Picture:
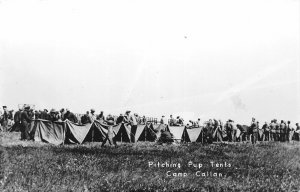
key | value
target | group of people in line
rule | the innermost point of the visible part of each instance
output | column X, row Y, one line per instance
column 212, row 129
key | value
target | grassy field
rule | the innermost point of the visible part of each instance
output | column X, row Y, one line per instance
column 29, row 166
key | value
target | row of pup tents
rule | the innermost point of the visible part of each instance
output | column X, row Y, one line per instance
column 68, row 132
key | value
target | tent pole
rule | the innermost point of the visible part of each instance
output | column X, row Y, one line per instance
column 92, row 135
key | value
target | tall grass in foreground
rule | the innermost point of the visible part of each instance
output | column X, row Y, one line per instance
column 264, row 167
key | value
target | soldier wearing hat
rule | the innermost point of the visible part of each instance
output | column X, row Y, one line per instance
column 126, row 117
column 254, row 130
column 45, row 115
column 25, row 119
column 85, row 118
column 70, row 116
column 110, row 120
column 17, row 118
column 101, row 116
column 172, row 121
column 92, row 116
column 134, row 123
column 53, row 115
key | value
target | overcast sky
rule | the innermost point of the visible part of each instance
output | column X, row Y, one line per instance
column 208, row 59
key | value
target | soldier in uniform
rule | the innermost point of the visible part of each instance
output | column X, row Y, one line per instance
column 290, row 131
column 53, row 115
column 272, row 127
column 92, row 116
column 281, row 131
column 110, row 137
column 17, row 118
column 126, row 117
column 172, row 121
column 166, row 137
column 277, row 130
column 26, row 120
column 70, row 116
column 101, row 116
column 62, row 114
column 254, row 129
column 266, row 130
column 45, row 115
column 120, row 119
column 134, row 124
column 85, row 118
column 296, row 134
column 5, row 118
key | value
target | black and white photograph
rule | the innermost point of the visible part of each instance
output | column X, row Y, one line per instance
column 138, row 95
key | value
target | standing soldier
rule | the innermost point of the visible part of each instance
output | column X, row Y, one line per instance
column 126, row 117
column 25, row 119
column 266, row 131
column 5, row 118
column 17, row 119
column 290, row 131
column 272, row 130
column 110, row 137
column 92, row 116
column 277, row 130
column 133, row 123
column 254, row 128
column 101, row 116
column 297, row 131
column 282, row 131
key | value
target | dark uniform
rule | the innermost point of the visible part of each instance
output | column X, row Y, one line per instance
column 44, row 115
column 17, row 119
column 25, row 119
column 71, row 117
column 266, row 130
column 85, row 118
column 4, row 120
column 282, row 129
column 254, row 129
column 166, row 137
column 120, row 119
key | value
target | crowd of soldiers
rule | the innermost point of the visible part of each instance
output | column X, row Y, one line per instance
column 212, row 129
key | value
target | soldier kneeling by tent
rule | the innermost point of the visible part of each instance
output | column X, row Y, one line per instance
column 165, row 137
